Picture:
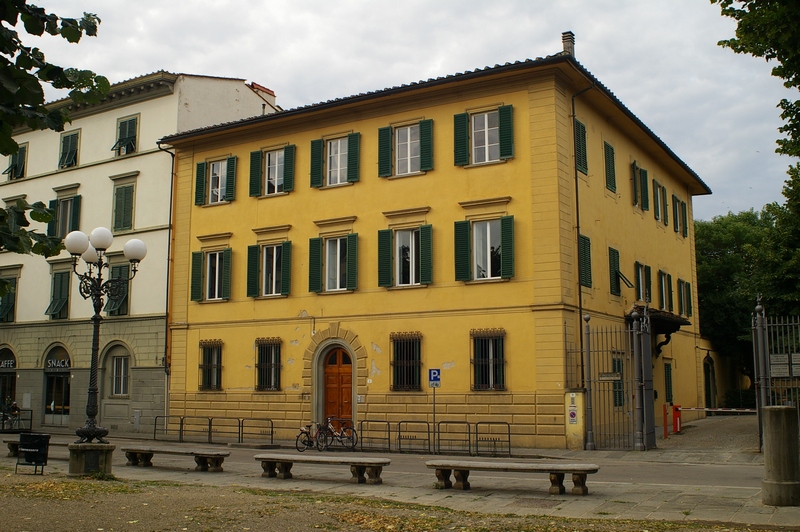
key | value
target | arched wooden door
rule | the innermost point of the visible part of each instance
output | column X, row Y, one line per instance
column 338, row 384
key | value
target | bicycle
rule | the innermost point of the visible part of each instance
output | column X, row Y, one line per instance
column 346, row 437
column 307, row 440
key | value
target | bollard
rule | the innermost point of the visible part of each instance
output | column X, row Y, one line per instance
column 676, row 419
column 781, row 484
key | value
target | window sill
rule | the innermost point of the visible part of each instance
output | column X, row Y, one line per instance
column 273, row 195
column 215, row 204
column 407, row 287
column 212, row 301
column 410, row 174
column 334, row 292
column 268, row 390
column 487, row 281
column 272, row 296
column 118, row 397
column 337, row 185
column 487, row 163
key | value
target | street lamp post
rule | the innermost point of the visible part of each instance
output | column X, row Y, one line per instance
column 92, row 249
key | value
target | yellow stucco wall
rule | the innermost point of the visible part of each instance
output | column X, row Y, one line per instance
column 538, row 308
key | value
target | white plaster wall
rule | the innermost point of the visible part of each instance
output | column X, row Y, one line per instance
column 204, row 101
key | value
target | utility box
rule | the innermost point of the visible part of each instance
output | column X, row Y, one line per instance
column 33, row 450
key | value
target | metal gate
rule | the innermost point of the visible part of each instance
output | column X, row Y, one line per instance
column 619, row 383
column 776, row 352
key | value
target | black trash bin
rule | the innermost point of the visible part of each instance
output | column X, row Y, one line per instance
column 33, row 450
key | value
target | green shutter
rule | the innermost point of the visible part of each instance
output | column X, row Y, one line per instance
column 226, row 273
column 669, row 292
column 426, row 254
column 317, row 162
column 288, row 167
column 581, row 160
column 668, row 383
column 352, row 261
column 253, row 263
column 75, row 215
column 665, row 206
column 613, row 270
column 353, row 156
column 7, row 301
column 675, row 219
column 426, row 145
column 661, row 303
column 684, row 219
column 639, row 287
column 645, row 193
column 462, row 251
column 657, row 208
column 635, row 173
column 688, row 299
column 585, row 260
column 385, row 152
column 256, row 173
column 230, row 179
column 118, row 307
column 648, row 284
column 197, row 276
column 315, row 264
column 385, row 258
column 286, row 266
column 505, row 115
column 52, row 225
column 611, row 169
column 461, row 139
column 123, row 208
column 681, row 308
column 507, row 247
column 200, row 184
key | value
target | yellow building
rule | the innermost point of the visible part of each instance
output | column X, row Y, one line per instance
column 325, row 258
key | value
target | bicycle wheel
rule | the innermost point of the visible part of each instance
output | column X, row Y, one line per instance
column 303, row 442
column 349, row 438
column 324, row 439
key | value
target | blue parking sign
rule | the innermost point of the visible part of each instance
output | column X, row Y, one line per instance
column 434, row 378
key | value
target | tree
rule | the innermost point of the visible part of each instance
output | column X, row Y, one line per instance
column 23, row 70
column 771, row 29
column 730, row 262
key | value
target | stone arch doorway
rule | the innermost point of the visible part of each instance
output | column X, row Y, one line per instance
column 57, row 386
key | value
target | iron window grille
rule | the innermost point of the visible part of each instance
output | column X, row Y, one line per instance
column 406, row 361
column 488, row 360
column 211, row 368
column 268, row 367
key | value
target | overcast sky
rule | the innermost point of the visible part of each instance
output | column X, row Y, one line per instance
column 715, row 109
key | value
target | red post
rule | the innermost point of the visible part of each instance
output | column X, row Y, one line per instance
column 676, row 419
column 666, row 429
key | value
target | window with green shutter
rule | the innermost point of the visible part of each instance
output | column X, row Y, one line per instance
column 585, row 260
column 664, row 206
column 483, row 137
column 67, row 216
column 614, row 273
column 58, row 309
column 644, row 187
column 670, row 305
column 656, row 200
column 69, row 150
column 123, row 207
column 118, row 306
column 684, row 219
column 461, row 139
column 211, row 275
column 126, row 136
column 16, row 163
column 675, row 208
column 668, row 397
column 269, row 269
column 611, row 169
column 641, row 193
column 406, row 149
column 405, row 256
column 581, row 157
column 484, row 249
column 315, row 246
column 462, row 247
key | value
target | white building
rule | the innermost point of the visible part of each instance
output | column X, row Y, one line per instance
column 104, row 169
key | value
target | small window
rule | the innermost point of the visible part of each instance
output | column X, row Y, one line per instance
column 485, row 249
column 119, row 377
column 211, row 275
column 16, row 163
column 641, row 194
column 488, row 362
column 665, row 301
column 406, row 362
column 211, row 367
column 126, row 136
column 484, row 137
column 585, row 260
column 642, row 281
column 335, row 161
column 67, row 216
column 118, row 305
column 333, row 264
column 684, row 298
column 215, row 182
column 58, row 309
column 405, row 256
column 611, row 169
column 123, row 207
column 69, row 150
column 272, row 172
column 7, row 302
column 268, row 366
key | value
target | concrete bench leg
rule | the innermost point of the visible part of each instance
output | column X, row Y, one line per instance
column 269, row 469
column 140, row 459
column 202, row 463
column 579, row 484
column 358, row 474
column 557, row 483
column 13, row 450
column 284, row 470
column 443, row 479
column 215, row 464
column 461, row 476
column 133, row 459
column 374, row 475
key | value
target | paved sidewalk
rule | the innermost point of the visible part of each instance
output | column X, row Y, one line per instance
column 679, row 481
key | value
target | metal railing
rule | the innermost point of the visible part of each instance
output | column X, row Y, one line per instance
column 492, row 438
column 413, row 436
column 456, row 442
column 212, row 429
column 374, row 435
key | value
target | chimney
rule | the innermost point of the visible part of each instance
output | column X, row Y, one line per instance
column 568, row 41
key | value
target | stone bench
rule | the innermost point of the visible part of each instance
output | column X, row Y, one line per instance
column 556, row 470
column 280, row 465
column 206, row 460
column 13, row 446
